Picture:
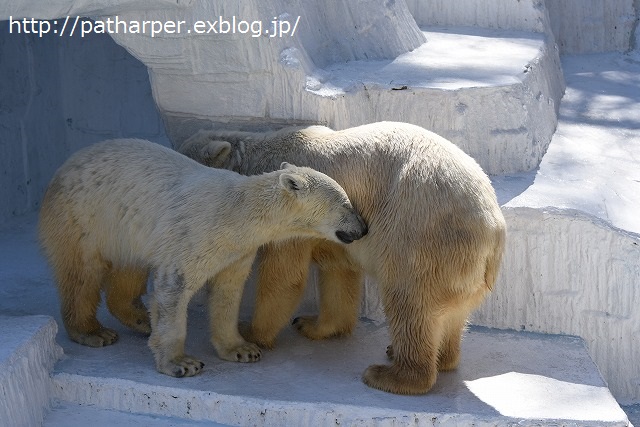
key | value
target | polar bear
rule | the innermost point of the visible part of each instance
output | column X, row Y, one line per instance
column 120, row 209
column 436, row 237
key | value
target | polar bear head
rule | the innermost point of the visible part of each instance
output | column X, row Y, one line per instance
column 216, row 149
column 321, row 204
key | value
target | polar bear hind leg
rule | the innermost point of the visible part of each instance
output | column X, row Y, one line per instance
column 79, row 290
column 124, row 288
column 339, row 287
column 417, row 328
column 282, row 277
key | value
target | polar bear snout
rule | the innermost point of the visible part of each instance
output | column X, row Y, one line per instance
column 345, row 237
column 356, row 229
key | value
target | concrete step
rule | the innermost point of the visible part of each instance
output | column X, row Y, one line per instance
column 71, row 414
column 494, row 93
column 504, row 378
column 633, row 412
column 27, row 355
column 300, row 382
column 571, row 259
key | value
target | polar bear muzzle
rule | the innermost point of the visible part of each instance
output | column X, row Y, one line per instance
column 355, row 229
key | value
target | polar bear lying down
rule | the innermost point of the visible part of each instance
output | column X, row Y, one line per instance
column 436, row 237
column 118, row 210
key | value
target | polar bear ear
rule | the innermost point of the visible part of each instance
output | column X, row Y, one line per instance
column 285, row 165
column 215, row 153
column 206, row 151
column 294, row 183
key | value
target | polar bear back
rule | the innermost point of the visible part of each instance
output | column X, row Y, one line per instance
column 376, row 164
column 418, row 192
column 144, row 185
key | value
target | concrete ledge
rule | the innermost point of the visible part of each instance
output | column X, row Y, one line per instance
column 63, row 8
column 27, row 355
column 71, row 414
column 588, row 26
column 573, row 245
column 504, row 378
column 528, row 15
column 494, row 93
column 571, row 273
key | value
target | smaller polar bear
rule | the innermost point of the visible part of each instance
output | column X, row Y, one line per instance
column 120, row 209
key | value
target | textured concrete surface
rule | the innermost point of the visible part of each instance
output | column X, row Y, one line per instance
column 493, row 93
column 59, row 94
column 62, row 8
column 578, row 26
column 27, row 356
column 571, row 263
column 70, row 414
column 592, row 26
column 306, row 382
column 526, row 15
column 633, row 413
column 504, row 377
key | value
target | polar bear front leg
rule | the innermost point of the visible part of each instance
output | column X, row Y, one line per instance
column 340, row 289
column 282, row 277
column 169, row 326
column 225, row 295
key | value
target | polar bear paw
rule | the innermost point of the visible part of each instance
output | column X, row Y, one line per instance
column 138, row 320
column 310, row 327
column 183, row 366
column 399, row 380
column 262, row 340
column 100, row 338
column 244, row 353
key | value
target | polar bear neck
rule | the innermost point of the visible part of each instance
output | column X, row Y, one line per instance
column 263, row 207
column 363, row 180
column 257, row 154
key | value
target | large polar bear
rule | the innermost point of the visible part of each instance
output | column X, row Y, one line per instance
column 436, row 237
column 119, row 209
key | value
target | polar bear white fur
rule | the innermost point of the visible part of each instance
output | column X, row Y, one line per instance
column 120, row 209
column 434, row 247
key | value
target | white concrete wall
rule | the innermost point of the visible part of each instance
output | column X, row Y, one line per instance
column 528, row 15
column 569, row 273
column 29, row 111
column 199, row 79
column 587, row 26
column 59, row 94
column 579, row 26
column 27, row 355
column 238, row 81
column 261, row 80
column 52, row 9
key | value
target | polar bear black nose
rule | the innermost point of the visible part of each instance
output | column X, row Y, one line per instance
column 350, row 236
column 344, row 237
